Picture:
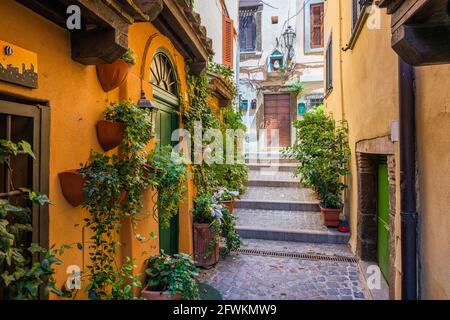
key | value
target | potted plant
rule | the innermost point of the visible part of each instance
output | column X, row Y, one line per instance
column 323, row 152
column 168, row 174
column 213, row 222
column 72, row 183
column 123, row 122
column 226, row 197
column 170, row 278
column 113, row 75
column 207, row 220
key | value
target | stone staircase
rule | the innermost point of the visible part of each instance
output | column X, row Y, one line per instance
column 277, row 207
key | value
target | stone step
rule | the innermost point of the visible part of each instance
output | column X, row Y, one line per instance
column 263, row 178
column 278, row 205
column 296, row 236
column 276, row 167
column 281, row 194
column 271, row 175
column 297, row 226
column 273, row 183
column 269, row 160
column 278, row 198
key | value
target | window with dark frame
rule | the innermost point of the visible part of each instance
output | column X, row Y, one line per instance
column 329, row 65
column 29, row 123
column 247, row 30
column 316, row 20
column 357, row 9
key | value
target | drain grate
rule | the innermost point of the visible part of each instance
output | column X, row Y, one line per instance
column 295, row 255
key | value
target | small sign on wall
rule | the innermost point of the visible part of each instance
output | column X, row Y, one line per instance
column 18, row 65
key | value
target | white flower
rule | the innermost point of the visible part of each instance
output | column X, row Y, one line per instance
column 234, row 193
column 216, row 212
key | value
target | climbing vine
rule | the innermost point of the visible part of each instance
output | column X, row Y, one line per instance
column 168, row 174
column 114, row 187
column 196, row 111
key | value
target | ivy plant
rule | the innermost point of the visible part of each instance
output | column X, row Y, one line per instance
column 168, row 174
column 129, row 57
column 114, row 186
column 21, row 276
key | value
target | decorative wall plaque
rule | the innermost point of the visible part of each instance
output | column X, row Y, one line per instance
column 18, row 65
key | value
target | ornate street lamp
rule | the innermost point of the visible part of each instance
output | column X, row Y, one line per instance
column 144, row 103
column 289, row 36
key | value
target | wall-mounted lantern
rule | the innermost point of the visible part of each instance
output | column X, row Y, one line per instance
column 289, row 36
column 254, row 104
column 144, row 103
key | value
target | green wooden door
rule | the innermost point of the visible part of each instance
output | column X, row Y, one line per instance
column 383, row 220
column 167, row 122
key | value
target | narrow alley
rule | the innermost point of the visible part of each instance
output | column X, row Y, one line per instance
column 287, row 253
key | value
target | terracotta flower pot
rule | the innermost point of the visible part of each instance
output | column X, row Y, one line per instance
column 72, row 187
column 147, row 294
column 202, row 238
column 110, row 134
column 113, row 75
column 330, row 217
column 229, row 204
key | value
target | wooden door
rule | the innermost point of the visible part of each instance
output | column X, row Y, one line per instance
column 277, row 116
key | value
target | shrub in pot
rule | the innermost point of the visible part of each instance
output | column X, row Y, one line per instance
column 323, row 152
column 226, row 198
column 113, row 75
column 207, row 220
column 213, row 222
column 170, row 278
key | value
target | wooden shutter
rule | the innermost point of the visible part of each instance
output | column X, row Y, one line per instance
column 316, row 19
column 227, row 41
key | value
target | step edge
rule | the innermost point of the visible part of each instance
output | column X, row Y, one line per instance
column 304, row 231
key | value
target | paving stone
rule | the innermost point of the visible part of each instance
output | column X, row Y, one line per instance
column 268, row 278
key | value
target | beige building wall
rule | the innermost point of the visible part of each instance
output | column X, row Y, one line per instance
column 365, row 93
column 433, row 156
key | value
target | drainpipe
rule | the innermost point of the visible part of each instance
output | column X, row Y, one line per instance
column 408, row 180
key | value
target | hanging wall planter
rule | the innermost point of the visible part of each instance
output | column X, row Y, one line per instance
column 113, row 75
column 72, row 187
column 110, row 134
column 203, row 237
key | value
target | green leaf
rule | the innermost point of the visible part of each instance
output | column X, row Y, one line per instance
column 26, row 147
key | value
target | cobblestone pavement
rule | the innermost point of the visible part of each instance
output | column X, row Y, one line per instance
column 279, row 219
column 248, row 277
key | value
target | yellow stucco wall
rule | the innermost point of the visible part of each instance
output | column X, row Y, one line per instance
column 365, row 93
column 77, row 101
column 433, row 141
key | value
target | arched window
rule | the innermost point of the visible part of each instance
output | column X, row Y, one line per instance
column 163, row 74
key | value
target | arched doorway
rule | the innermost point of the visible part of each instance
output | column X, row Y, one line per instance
column 164, row 81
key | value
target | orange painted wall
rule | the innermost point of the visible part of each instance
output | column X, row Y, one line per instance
column 77, row 101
